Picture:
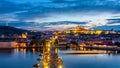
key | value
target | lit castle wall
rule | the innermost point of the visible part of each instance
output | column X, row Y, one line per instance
column 80, row 30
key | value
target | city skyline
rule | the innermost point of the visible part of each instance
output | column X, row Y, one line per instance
column 60, row 14
column 59, row 33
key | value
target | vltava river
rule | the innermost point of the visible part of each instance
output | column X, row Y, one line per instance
column 26, row 58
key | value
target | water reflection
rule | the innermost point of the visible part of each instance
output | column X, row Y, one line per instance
column 47, row 50
column 32, row 50
column 51, row 57
column 6, row 51
column 86, row 51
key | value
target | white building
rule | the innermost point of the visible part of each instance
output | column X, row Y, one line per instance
column 6, row 44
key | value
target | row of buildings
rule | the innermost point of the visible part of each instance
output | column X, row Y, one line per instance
column 14, row 41
column 89, row 37
column 78, row 35
column 81, row 30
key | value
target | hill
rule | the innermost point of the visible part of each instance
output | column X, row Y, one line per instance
column 6, row 30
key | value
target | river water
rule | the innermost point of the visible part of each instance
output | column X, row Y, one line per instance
column 26, row 58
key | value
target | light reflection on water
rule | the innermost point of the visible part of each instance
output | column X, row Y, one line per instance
column 25, row 58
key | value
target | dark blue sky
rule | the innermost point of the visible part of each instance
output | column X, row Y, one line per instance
column 60, row 14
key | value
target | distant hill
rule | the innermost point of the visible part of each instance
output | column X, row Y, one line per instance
column 6, row 30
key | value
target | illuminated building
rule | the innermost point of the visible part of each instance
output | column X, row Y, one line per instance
column 21, row 42
column 61, row 42
column 78, row 29
column 81, row 30
column 6, row 44
column 24, row 35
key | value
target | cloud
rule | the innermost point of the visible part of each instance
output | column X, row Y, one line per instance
column 10, row 7
column 61, row 27
column 115, row 27
column 96, row 23
column 52, row 13
column 115, row 20
column 45, row 8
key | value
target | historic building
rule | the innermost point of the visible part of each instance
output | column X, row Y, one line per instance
column 7, row 44
column 81, row 30
column 51, row 58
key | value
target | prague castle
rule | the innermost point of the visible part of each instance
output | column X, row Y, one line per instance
column 81, row 30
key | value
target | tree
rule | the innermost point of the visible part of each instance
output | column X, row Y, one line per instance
column 74, row 42
column 117, row 43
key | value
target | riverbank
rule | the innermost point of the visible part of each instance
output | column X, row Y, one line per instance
column 103, row 48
